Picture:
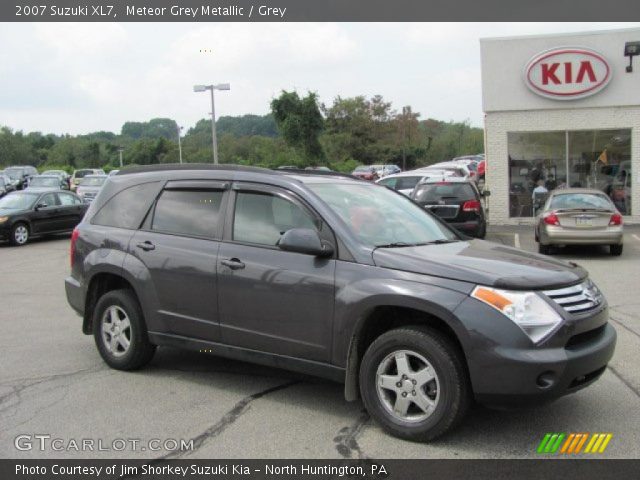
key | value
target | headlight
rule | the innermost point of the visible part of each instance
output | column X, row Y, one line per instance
column 531, row 313
column 3, row 219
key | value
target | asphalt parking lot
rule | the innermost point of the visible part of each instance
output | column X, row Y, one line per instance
column 53, row 382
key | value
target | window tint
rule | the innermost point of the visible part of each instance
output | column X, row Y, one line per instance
column 388, row 182
column 68, row 199
column 189, row 212
column 262, row 218
column 434, row 192
column 405, row 183
column 50, row 199
column 127, row 208
column 580, row 200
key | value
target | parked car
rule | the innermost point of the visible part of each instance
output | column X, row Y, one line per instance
column 47, row 182
column 113, row 172
column 322, row 169
column 20, row 175
column 456, row 170
column 61, row 173
column 26, row 214
column 579, row 216
column 285, row 269
column 405, row 182
column 78, row 175
column 90, row 186
column 457, row 201
column 384, row 170
column 6, row 185
column 366, row 172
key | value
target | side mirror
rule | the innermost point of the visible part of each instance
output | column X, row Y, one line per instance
column 41, row 205
column 304, row 240
column 486, row 193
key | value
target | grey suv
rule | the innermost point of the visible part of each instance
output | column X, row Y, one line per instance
column 335, row 277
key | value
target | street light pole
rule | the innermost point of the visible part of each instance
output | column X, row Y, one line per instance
column 180, row 142
column 120, row 150
column 203, row 88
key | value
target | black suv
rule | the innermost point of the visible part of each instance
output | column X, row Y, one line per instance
column 456, row 200
column 336, row 277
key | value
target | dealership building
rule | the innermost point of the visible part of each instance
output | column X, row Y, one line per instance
column 561, row 110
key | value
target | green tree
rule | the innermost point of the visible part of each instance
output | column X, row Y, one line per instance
column 300, row 122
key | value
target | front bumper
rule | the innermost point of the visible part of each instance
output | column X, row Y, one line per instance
column 507, row 369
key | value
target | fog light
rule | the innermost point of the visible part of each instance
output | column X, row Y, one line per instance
column 546, row 380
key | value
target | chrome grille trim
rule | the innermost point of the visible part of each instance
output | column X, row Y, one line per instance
column 580, row 298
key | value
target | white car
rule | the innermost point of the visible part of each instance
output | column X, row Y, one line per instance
column 457, row 169
column 405, row 182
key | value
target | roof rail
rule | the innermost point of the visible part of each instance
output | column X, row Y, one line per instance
column 325, row 173
column 192, row 166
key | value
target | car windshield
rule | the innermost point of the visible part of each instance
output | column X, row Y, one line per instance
column 92, row 181
column 18, row 201
column 363, row 168
column 82, row 173
column 53, row 172
column 580, row 201
column 44, row 182
column 14, row 173
column 434, row 192
column 379, row 217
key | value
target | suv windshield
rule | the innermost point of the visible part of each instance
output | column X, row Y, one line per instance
column 92, row 181
column 18, row 201
column 14, row 173
column 434, row 192
column 379, row 217
column 44, row 182
column 82, row 173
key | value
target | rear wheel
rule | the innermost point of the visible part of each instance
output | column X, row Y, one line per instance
column 482, row 231
column 615, row 250
column 19, row 234
column 120, row 332
column 413, row 382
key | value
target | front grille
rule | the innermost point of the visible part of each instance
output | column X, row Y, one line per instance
column 580, row 298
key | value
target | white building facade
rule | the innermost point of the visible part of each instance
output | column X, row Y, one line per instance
column 561, row 110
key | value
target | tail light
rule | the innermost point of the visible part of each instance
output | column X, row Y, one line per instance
column 471, row 206
column 551, row 219
column 616, row 219
column 72, row 249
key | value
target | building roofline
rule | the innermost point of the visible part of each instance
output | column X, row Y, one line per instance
column 561, row 34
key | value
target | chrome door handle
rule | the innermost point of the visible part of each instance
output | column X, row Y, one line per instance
column 233, row 263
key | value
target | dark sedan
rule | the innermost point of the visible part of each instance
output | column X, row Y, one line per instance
column 27, row 214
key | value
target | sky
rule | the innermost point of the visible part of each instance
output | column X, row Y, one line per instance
column 78, row 78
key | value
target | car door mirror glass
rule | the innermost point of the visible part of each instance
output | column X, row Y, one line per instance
column 41, row 205
column 304, row 240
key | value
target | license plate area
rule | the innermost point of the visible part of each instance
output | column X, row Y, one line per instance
column 584, row 222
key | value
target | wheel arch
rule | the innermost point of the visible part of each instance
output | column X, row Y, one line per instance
column 100, row 283
column 382, row 318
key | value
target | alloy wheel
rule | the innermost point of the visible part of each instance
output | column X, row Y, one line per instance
column 116, row 331
column 21, row 234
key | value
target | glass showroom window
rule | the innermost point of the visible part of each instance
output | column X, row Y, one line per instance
column 542, row 161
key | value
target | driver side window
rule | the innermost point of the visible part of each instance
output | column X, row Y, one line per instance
column 50, row 199
column 261, row 218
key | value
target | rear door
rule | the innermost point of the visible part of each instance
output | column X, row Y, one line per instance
column 178, row 244
column 71, row 210
column 271, row 300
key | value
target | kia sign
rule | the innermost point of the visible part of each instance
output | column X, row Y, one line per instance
column 567, row 73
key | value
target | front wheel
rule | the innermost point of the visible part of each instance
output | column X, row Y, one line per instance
column 413, row 382
column 19, row 234
column 120, row 332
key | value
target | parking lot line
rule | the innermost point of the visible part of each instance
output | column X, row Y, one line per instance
column 635, row 236
column 516, row 240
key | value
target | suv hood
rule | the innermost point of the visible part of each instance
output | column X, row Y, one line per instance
column 482, row 263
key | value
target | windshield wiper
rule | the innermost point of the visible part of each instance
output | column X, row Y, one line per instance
column 396, row 245
column 440, row 241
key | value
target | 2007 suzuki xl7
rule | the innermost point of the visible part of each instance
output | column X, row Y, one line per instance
column 336, row 277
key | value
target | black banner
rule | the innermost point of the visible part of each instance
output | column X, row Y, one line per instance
column 317, row 10
column 318, row 469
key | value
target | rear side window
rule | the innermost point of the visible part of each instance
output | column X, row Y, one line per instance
column 434, row 192
column 68, row 199
column 406, row 183
column 127, row 208
column 188, row 212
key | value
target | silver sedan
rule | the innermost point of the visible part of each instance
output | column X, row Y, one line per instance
column 579, row 216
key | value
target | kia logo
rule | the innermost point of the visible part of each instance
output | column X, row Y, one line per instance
column 567, row 73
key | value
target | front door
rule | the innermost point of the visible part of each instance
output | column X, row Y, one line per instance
column 47, row 216
column 271, row 300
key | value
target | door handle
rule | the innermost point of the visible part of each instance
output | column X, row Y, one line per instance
column 146, row 246
column 233, row 264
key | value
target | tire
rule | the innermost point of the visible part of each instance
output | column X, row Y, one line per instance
column 544, row 249
column 448, row 390
column 112, row 310
column 615, row 250
column 20, row 234
column 482, row 232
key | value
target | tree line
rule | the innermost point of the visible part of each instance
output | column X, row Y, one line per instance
column 299, row 131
